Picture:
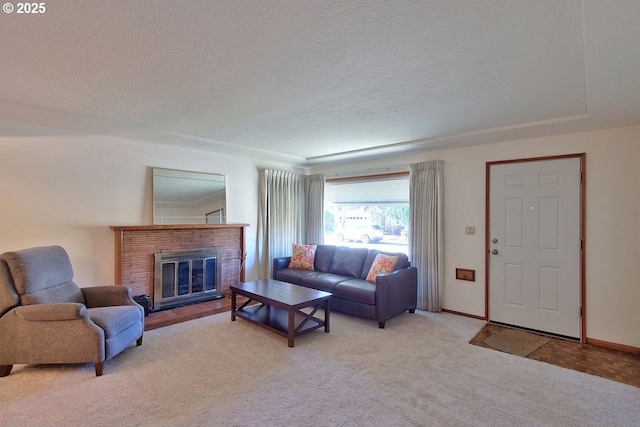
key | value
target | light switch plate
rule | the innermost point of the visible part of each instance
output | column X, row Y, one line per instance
column 469, row 229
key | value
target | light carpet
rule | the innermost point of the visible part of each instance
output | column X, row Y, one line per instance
column 516, row 342
column 420, row 370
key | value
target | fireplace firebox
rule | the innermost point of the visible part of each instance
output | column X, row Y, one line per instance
column 186, row 277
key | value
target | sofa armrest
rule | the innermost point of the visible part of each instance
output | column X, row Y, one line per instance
column 279, row 264
column 107, row 296
column 396, row 292
column 51, row 312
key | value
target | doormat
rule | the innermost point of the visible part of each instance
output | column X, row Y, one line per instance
column 513, row 341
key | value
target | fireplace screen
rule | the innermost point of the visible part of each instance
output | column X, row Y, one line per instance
column 186, row 277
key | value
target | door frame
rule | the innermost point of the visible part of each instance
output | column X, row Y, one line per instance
column 583, row 194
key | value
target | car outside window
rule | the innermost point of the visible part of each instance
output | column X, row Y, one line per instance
column 372, row 214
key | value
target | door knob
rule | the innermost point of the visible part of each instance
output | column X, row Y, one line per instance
column 494, row 252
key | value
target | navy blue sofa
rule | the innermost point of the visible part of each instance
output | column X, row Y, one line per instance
column 342, row 271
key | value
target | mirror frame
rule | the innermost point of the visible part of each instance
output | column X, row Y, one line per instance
column 185, row 197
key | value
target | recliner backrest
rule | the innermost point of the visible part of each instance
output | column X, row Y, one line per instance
column 9, row 298
column 43, row 275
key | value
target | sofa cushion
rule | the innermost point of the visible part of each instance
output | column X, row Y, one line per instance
column 348, row 261
column 294, row 275
column 324, row 255
column 114, row 320
column 323, row 281
column 402, row 262
column 381, row 265
column 357, row 290
column 302, row 256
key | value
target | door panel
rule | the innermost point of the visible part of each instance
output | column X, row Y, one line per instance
column 514, row 284
column 535, row 255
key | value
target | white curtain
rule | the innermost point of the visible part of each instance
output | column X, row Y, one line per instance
column 314, row 221
column 285, row 207
column 426, row 219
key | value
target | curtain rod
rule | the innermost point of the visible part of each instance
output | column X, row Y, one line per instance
column 369, row 177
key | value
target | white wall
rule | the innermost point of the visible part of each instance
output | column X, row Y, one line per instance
column 613, row 222
column 68, row 190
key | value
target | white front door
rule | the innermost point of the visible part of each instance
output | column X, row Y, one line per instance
column 535, row 245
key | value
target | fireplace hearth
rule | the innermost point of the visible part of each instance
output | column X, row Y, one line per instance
column 186, row 277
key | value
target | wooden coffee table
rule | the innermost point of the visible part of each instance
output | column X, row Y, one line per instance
column 280, row 305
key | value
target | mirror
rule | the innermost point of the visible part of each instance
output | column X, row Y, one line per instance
column 181, row 197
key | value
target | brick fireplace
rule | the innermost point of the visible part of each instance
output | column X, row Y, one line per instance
column 136, row 247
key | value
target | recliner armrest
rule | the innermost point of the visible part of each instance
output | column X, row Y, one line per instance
column 50, row 333
column 107, row 296
column 51, row 312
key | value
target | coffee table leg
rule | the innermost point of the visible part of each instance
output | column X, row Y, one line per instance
column 326, row 315
column 233, row 305
column 291, row 329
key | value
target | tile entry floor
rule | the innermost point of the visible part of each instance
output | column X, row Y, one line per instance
column 615, row 365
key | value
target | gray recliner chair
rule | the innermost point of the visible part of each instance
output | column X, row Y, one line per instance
column 45, row 318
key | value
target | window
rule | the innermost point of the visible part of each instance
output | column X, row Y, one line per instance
column 370, row 212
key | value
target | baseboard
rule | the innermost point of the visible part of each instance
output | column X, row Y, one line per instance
column 614, row 346
column 459, row 313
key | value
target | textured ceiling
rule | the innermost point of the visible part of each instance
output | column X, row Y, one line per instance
column 308, row 82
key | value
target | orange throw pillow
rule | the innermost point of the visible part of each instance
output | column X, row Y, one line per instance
column 381, row 264
column 302, row 256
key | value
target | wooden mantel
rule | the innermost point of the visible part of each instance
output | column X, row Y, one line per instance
column 174, row 227
column 135, row 246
